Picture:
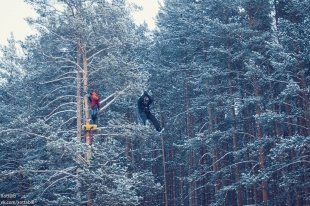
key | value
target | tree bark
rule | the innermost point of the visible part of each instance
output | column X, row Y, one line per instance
column 78, row 94
column 164, row 170
column 78, row 114
column 190, row 134
column 260, row 137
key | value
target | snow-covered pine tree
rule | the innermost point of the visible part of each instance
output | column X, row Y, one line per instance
column 178, row 61
column 104, row 33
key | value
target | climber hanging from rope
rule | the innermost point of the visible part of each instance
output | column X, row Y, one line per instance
column 144, row 111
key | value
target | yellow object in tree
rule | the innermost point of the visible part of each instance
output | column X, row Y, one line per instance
column 89, row 126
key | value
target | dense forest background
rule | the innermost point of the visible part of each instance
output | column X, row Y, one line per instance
column 230, row 82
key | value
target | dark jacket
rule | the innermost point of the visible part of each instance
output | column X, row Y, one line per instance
column 144, row 106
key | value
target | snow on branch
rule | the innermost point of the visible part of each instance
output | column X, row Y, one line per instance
column 110, row 99
column 65, row 111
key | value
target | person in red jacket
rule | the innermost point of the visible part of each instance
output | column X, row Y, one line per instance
column 94, row 106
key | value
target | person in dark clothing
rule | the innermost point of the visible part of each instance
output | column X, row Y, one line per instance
column 144, row 110
column 94, row 106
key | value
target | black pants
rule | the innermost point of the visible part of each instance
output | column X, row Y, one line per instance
column 148, row 115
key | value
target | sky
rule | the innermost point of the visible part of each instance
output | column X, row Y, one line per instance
column 150, row 9
column 13, row 12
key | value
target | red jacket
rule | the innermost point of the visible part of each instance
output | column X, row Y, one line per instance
column 94, row 100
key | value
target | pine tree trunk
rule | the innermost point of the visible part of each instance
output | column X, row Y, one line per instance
column 215, row 165
column 234, row 136
column 88, row 137
column 164, row 170
column 274, row 24
column 21, row 178
column 189, row 133
column 85, row 82
column 304, row 105
column 205, row 194
column 303, row 124
column 289, row 134
column 249, row 130
column 78, row 94
column 181, row 185
column 237, row 168
column 173, row 179
column 306, row 131
column 78, row 117
column 260, row 137
column 214, row 157
column 164, row 160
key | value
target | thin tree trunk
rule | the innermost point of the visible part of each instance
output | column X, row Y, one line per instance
column 78, row 95
column 289, row 123
column 189, row 133
column 165, row 172
column 181, row 186
column 85, row 82
column 78, row 116
column 247, row 137
column 213, row 150
column 304, row 126
column 304, row 105
column 88, row 137
column 260, row 137
column 234, row 136
column 237, row 168
column 21, row 177
column 173, row 181
column 164, row 159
